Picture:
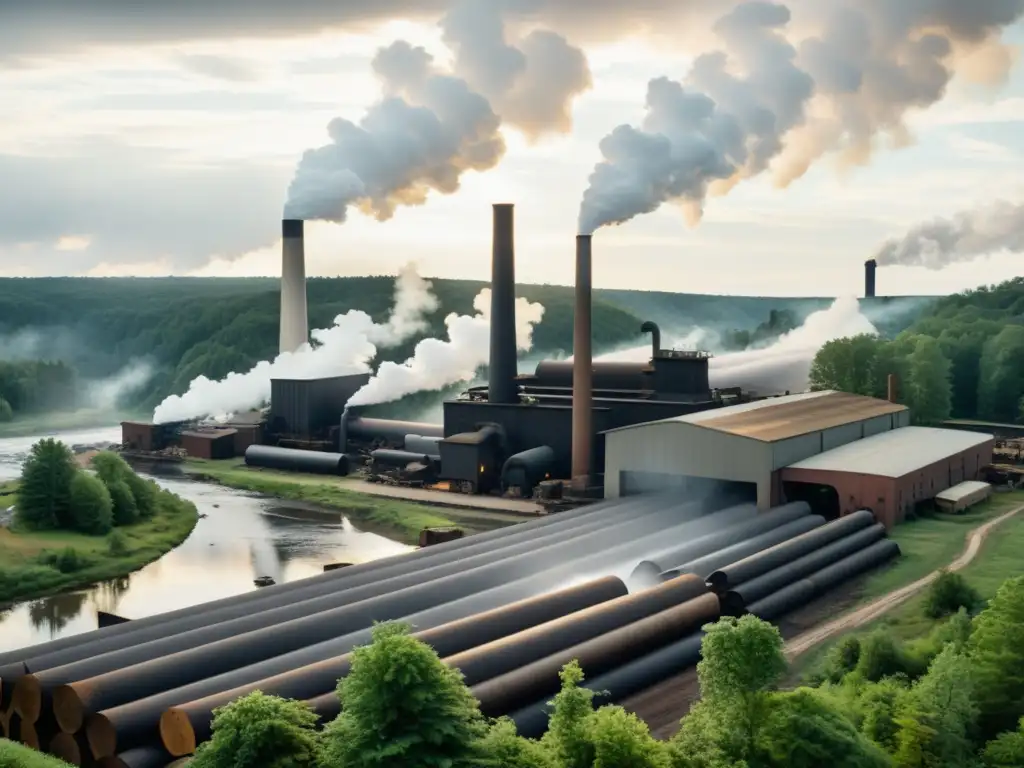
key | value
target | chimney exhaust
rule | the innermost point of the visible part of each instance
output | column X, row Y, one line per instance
column 892, row 387
column 652, row 328
column 294, row 320
column 582, row 368
column 869, row 278
column 503, row 368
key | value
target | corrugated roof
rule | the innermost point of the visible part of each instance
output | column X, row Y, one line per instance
column 962, row 490
column 895, row 453
column 779, row 418
column 210, row 433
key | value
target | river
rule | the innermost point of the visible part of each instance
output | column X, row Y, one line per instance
column 241, row 537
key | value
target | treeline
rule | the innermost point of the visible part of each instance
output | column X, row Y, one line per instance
column 36, row 386
column 952, row 700
column 963, row 358
column 779, row 322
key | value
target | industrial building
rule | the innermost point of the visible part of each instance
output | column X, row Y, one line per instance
column 837, row 451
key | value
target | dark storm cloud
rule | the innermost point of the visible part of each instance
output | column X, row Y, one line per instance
column 137, row 205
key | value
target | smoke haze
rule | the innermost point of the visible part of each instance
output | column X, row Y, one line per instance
column 965, row 236
column 107, row 394
column 433, row 125
column 764, row 101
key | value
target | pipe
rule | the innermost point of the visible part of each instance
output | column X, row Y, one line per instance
column 652, row 328
column 184, row 727
column 391, row 430
column 766, row 560
column 131, row 724
column 521, row 687
column 616, row 685
column 801, row 592
column 66, row 747
column 892, row 386
column 326, row 706
column 486, row 661
column 502, row 371
column 143, row 757
column 256, row 655
column 869, row 278
column 582, row 369
column 390, row 457
column 294, row 317
column 734, row 601
column 534, row 463
column 294, row 460
column 422, row 444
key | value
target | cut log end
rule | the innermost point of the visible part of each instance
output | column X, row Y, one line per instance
column 68, row 709
column 177, row 733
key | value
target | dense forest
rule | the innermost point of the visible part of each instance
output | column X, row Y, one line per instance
column 186, row 327
column 963, row 358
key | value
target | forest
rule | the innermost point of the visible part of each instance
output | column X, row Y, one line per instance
column 962, row 358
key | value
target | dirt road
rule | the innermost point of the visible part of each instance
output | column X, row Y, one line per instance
column 871, row 611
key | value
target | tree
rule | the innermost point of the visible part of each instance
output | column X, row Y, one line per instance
column 502, row 747
column 1001, row 383
column 126, row 511
column 879, row 705
column 260, row 731
column 567, row 735
column 948, row 594
column 402, row 706
column 44, row 495
column 91, row 505
column 943, row 701
column 145, row 492
column 930, row 389
column 622, row 740
column 997, row 651
column 1006, row 750
column 846, row 364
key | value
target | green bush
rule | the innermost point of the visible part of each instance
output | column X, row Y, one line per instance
column 117, row 543
column 841, row 659
column 44, row 494
column 18, row 756
column 91, row 504
column 144, row 492
column 881, row 656
column 126, row 511
column 948, row 594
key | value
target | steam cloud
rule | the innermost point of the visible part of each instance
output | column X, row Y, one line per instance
column 108, row 393
column 966, row 236
column 764, row 102
column 351, row 343
column 432, row 125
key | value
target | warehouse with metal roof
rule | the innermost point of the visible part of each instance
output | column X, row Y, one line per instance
column 888, row 473
column 741, row 448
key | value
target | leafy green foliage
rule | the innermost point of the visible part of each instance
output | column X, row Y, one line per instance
column 14, row 755
column 36, row 385
column 260, row 731
column 881, row 656
column 44, row 494
column 622, row 740
column 117, row 544
column 997, row 650
column 91, row 505
column 502, row 747
column 948, row 594
column 567, row 734
column 1006, row 750
column 126, row 511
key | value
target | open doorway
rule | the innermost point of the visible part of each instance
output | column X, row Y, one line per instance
column 823, row 499
column 718, row 493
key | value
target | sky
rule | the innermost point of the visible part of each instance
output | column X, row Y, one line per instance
column 164, row 141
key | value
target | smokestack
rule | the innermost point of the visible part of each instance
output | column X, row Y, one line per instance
column 652, row 328
column 294, row 321
column 501, row 383
column 892, row 387
column 582, row 368
column 869, row 278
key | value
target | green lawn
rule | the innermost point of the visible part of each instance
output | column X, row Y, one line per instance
column 400, row 520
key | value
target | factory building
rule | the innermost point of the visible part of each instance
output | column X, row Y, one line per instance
column 209, row 442
column 743, row 446
column 889, row 473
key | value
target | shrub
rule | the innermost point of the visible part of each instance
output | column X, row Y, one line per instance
column 18, row 756
column 91, row 504
column 881, row 656
column 70, row 560
column 44, row 494
column 117, row 544
column 145, row 493
column 842, row 659
column 126, row 511
column 948, row 594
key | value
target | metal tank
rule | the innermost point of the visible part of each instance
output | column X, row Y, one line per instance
column 294, row 460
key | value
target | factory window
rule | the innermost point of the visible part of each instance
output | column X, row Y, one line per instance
column 823, row 499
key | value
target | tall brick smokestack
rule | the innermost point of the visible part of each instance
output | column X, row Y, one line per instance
column 869, row 278
column 501, row 382
column 294, row 320
column 582, row 368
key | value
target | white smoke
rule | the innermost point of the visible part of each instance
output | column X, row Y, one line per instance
column 433, row 125
column 764, row 101
column 436, row 363
column 963, row 237
column 345, row 348
column 106, row 394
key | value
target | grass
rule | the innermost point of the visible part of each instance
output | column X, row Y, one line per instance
column 37, row 563
column 58, row 421
column 397, row 519
column 13, row 755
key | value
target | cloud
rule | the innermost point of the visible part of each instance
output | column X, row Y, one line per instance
column 220, row 67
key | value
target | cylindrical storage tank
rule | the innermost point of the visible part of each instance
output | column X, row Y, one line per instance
column 734, row 601
column 184, row 727
column 389, row 457
column 521, row 687
column 801, row 592
column 611, row 687
column 769, row 559
column 423, row 444
column 293, row 460
column 527, row 468
column 389, row 430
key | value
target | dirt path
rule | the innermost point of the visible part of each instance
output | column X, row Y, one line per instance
column 871, row 611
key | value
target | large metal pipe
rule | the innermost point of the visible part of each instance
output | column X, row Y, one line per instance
column 485, row 661
column 582, row 368
column 294, row 460
column 739, row 528
column 521, row 687
column 712, row 562
column 801, row 592
column 184, row 727
column 869, row 278
column 392, row 457
column 766, row 560
column 652, row 328
column 131, row 724
column 390, row 430
column 143, row 757
column 294, row 317
column 502, row 371
column 66, row 747
column 735, row 601
column 613, row 686
column 422, row 444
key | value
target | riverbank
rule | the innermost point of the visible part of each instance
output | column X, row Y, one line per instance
column 394, row 518
column 85, row 418
column 37, row 564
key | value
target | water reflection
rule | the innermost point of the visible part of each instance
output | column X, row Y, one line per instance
column 240, row 538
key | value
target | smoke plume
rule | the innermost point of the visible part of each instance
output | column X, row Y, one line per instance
column 432, row 125
column 107, row 393
column 414, row 300
column 964, row 237
column 764, row 101
column 436, row 363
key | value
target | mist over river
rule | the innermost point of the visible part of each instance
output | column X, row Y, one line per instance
column 241, row 537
